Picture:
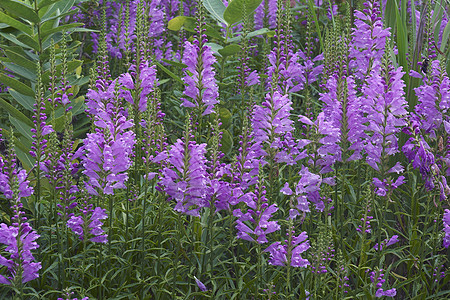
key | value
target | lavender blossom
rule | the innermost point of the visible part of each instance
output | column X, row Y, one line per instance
column 446, row 222
column 185, row 179
column 89, row 224
column 386, row 243
column 368, row 39
column 145, row 84
column 201, row 90
column 278, row 251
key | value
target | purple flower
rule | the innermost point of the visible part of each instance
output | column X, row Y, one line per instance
column 387, row 243
column 145, row 84
column 200, row 284
column 106, row 153
column 201, row 88
column 185, row 179
column 446, row 222
column 368, row 39
column 89, row 224
column 20, row 262
column 279, row 252
column 388, row 293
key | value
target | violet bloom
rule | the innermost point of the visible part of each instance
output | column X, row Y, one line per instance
column 253, row 224
column 343, row 112
column 106, row 153
column 266, row 14
column 279, row 251
column 446, row 222
column 185, row 179
column 145, row 84
column 19, row 238
column 201, row 89
column 386, row 112
column 20, row 261
column 368, row 39
column 200, row 285
column 89, row 224
column 387, row 243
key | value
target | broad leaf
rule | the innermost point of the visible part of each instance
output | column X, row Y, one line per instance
column 19, row 59
column 236, row 10
column 216, row 8
column 20, row 9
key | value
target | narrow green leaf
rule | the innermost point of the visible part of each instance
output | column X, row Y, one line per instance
column 21, row 71
column 312, row 8
column 4, row 18
column 14, row 112
column 174, row 63
column 20, row 60
column 215, row 48
column 168, row 72
column 17, row 85
column 21, row 127
column 20, row 9
column 61, row 28
column 445, row 36
column 27, row 102
column 23, row 155
column 216, row 8
column 237, row 8
column 13, row 39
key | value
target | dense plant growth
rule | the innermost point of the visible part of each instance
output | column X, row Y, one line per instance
column 166, row 149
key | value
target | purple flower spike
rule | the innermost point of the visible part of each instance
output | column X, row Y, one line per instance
column 278, row 252
column 446, row 222
column 201, row 87
column 89, row 224
column 185, row 179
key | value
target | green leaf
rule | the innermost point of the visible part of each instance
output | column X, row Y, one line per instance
column 178, row 22
column 21, row 127
column 237, row 8
column 20, row 71
column 227, row 142
column 225, row 117
column 20, row 9
column 4, row 18
column 15, row 112
column 215, row 48
column 26, row 101
column 261, row 31
column 230, row 50
column 60, row 28
column 17, row 85
column 45, row 3
column 23, row 155
column 174, row 63
column 445, row 36
column 312, row 9
column 19, row 59
column 216, row 8
column 168, row 72
column 13, row 39
column 29, row 41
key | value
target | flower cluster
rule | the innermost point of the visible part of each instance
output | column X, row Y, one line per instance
column 185, row 179
column 106, row 153
column 279, row 252
column 201, row 88
column 89, row 225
